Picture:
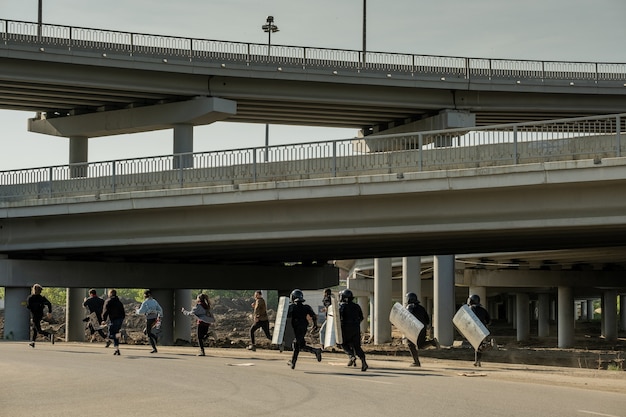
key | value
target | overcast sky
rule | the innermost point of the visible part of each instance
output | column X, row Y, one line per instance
column 570, row 30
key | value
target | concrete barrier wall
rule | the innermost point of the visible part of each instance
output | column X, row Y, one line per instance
column 441, row 158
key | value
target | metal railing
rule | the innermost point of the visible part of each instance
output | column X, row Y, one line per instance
column 557, row 140
column 198, row 50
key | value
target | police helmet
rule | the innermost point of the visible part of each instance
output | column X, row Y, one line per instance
column 346, row 295
column 297, row 296
column 473, row 300
column 411, row 298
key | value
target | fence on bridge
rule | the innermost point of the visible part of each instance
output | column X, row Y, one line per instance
column 557, row 140
column 198, row 50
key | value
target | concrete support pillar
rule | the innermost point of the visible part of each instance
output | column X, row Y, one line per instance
column 609, row 311
column 622, row 312
column 382, row 300
column 543, row 315
column 522, row 314
column 565, row 319
column 513, row 301
column 183, row 146
column 74, row 314
column 509, row 310
column 165, row 297
column 182, row 323
column 79, row 154
column 589, row 310
column 583, row 310
column 444, row 307
column 16, row 315
column 411, row 279
column 364, row 303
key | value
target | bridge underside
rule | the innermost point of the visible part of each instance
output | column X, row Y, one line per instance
column 73, row 90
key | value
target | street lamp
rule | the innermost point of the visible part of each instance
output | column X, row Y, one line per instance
column 269, row 27
column 364, row 29
column 39, row 19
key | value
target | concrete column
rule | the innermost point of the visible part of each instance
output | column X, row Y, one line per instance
column 74, row 314
column 622, row 312
column 79, row 154
column 183, row 146
column 543, row 316
column 565, row 318
column 382, row 300
column 165, row 297
column 411, row 279
column 609, row 311
column 589, row 310
column 602, row 316
column 16, row 315
column 523, row 316
column 444, row 307
column 583, row 310
column 182, row 323
column 513, row 301
column 509, row 310
column 364, row 303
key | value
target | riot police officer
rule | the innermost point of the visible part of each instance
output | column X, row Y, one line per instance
column 483, row 315
column 415, row 308
column 299, row 313
column 351, row 317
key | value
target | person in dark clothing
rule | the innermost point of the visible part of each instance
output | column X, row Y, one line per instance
column 113, row 311
column 202, row 312
column 94, row 304
column 483, row 315
column 351, row 317
column 299, row 313
column 414, row 307
column 36, row 303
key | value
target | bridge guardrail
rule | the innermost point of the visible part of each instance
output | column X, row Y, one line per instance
column 556, row 140
column 172, row 47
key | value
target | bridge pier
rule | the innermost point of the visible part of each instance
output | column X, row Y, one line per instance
column 382, row 300
column 74, row 314
column 444, row 300
column 183, row 145
column 411, row 278
column 16, row 315
column 609, row 314
column 182, row 323
column 565, row 317
column 543, row 315
column 523, row 316
column 79, row 151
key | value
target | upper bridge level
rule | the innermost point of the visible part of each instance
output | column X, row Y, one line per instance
column 74, row 73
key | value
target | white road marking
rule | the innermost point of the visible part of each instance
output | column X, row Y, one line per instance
column 596, row 414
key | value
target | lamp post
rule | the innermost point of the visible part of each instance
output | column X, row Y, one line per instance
column 364, row 28
column 269, row 27
column 39, row 19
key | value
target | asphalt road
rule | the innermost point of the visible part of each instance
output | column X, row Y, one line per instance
column 72, row 379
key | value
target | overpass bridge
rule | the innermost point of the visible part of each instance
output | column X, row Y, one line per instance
column 86, row 82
